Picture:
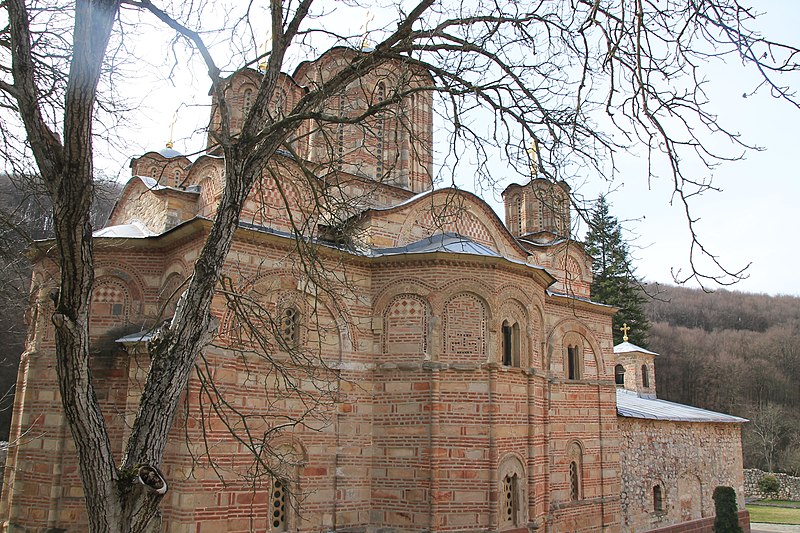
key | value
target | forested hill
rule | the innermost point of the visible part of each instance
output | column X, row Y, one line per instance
column 737, row 353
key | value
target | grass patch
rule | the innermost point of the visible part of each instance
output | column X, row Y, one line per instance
column 770, row 514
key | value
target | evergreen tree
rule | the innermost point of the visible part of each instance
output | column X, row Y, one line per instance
column 614, row 280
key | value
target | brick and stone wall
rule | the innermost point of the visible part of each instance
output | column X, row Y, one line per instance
column 789, row 485
column 687, row 461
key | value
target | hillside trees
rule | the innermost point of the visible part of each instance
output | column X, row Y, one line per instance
column 734, row 352
column 542, row 70
column 614, row 281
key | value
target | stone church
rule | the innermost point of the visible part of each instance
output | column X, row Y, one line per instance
column 390, row 357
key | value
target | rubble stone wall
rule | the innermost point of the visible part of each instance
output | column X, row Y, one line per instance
column 789, row 485
column 686, row 461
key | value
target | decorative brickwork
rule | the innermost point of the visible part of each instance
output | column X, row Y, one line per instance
column 441, row 389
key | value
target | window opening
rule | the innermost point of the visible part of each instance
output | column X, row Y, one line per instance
column 290, row 331
column 380, row 94
column 515, row 345
column 247, row 102
column 574, row 482
column 658, row 500
column 573, row 363
column 278, row 507
column 510, row 499
column 645, row 377
column 340, row 135
column 619, row 375
column 507, row 340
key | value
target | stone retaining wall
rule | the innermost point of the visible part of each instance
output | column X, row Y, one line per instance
column 789, row 485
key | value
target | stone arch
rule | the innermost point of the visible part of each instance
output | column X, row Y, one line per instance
column 556, row 351
column 510, row 313
column 282, row 287
column 110, row 305
column 451, row 214
column 130, row 276
column 172, row 286
column 575, row 453
column 399, row 286
column 513, row 489
column 690, row 497
column 287, row 458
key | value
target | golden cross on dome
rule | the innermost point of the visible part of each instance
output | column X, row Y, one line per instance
column 172, row 129
column 625, row 329
column 262, row 65
column 365, row 30
column 533, row 152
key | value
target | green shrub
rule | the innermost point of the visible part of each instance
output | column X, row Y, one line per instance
column 769, row 485
column 727, row 520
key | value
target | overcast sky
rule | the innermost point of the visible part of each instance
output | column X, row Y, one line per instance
column 752, row 221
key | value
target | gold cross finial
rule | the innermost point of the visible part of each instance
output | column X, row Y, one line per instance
column 262, row 65
column 365, row 30
column 533, row 152
column 625, row 329
column 172, row 129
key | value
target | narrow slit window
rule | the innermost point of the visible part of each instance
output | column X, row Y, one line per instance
column 573, row 363
column 507, row 341
column 645, row 377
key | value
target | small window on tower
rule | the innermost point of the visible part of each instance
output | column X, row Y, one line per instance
column 645, row 377
column 619, row 375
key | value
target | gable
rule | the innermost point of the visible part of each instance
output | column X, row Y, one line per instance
column 449, row 211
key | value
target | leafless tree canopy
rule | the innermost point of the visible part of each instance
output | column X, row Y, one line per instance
column 584, row 79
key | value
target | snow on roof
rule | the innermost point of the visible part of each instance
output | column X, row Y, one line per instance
column 141, row 336
column 627, row 347
column 631, row 405
column 134, row 230
column 169, row 152
column 153, row 185
column 441, row 242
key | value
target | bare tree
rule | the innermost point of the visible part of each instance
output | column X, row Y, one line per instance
column 548, row 71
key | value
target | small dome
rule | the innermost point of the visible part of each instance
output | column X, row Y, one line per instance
column 169, row 152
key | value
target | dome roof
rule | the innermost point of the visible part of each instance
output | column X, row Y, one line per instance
column 169, row 152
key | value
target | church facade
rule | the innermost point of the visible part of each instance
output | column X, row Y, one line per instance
column 389, row 357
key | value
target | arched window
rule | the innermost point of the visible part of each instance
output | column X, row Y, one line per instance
column 506, row 343
column 520, row 225
column 645, row 377
column 177, row 176
column 658, row 500
column 511, row 344
column 573, row 362
column 154, row 172
column 380, row 117
column 511, row 477
column 510, row 503
column 340, row 134
column 247, row 102
column 574, row 481
column 278, row 505
column 290, row 328
column 619, row 375
column 575, row 472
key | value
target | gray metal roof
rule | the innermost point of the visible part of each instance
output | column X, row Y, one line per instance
column 441, row 242
column 627, row 347
column 141, row 336
column 631, row 405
